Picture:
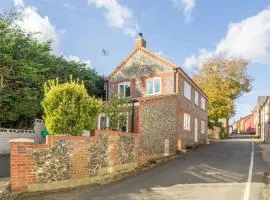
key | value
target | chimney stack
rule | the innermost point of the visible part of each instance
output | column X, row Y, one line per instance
column 140, row 42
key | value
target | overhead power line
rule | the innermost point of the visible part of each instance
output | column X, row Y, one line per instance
column 95, row 19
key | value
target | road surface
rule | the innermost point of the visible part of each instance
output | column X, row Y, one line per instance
column 229, row 170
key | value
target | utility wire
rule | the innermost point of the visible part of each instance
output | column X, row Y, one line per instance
column 148, row 31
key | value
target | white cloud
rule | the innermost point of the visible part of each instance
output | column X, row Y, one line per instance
column 77, row 59
column 118, row 16
column 248, row 39
column 32, row 22
column 185, row 6
column 18, row 3
column 68, row 6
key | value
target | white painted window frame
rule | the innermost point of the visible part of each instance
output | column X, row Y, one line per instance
column 196, row 129
column 203, row 102
column 99, row 121
column 186, row 122
column 202, row 127
column 153, row 80
column 124, row 83
column 187, row 86
column 196, row 97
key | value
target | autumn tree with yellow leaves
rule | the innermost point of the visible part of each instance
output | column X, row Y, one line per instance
column 223, row 80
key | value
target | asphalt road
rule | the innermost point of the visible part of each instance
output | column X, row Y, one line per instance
column 4, row 166
column 218, row 171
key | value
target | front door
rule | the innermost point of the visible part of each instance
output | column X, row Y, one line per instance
column 196, row 130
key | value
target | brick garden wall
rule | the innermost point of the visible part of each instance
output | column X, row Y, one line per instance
column 67, row 161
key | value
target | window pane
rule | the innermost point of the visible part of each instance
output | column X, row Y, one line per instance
column 187, row 90
column 127, row 90
column 149, row 86
column 121, row 90
column 203, row 103
column 202, row 127
column 157, row 85
column 196, row 98
column 103, row 123
column 186, row 121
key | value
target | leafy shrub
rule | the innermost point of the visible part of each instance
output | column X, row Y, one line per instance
column 68, row 109
column 117, row 109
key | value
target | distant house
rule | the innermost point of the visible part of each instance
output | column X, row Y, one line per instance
column 245, row 124
column 169, row 109
column 262, row 118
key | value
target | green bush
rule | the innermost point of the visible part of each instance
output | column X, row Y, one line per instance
column 117, row 109
column 68, row 109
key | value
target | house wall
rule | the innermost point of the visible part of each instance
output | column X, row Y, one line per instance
column 139, row 68
column 249, row 126
column 157, row 126
column 195, row 111
column 264, row 119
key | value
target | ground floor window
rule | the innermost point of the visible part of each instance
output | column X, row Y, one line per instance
column 186, row 121
column 202, row 127
column 104, row 122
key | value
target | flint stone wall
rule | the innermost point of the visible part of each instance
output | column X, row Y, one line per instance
column 66, row 161
column 158, row 127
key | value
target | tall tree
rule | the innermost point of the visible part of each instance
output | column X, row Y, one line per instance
column 223, row 80
column 25, row 65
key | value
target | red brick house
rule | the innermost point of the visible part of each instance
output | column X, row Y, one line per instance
column 169, row 109
column 246, row 124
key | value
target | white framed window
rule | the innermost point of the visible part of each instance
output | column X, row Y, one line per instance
column 153, row 86
column 187, row 90
column 103, row 122
column 186, row 121
column 124, row 89
column 202, row 127
column 203, row 103
column 196, row 97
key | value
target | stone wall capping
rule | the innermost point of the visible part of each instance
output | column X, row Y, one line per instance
column 21, row 140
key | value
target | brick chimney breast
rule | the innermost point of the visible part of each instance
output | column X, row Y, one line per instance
column 140, row 41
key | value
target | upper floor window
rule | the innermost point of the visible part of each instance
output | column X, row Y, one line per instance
column 196, row 96
column 124, row 89
column 186, row 121
column 153, row 86
column 202, row 127
column 187, row 90
column 203, row 103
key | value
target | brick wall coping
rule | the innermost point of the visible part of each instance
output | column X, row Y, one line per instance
column 50, row 138
column 115, row 132
column 24, row 140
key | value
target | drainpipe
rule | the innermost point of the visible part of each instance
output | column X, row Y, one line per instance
column 175, row 80
column 106, row 84
column 133, row 101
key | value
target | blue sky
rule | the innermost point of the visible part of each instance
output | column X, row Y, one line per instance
column 185, row 31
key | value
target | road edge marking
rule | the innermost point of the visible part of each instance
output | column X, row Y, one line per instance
column 247, row 188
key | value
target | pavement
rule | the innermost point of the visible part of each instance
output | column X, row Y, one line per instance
column 224, row 171
column 4, row 166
